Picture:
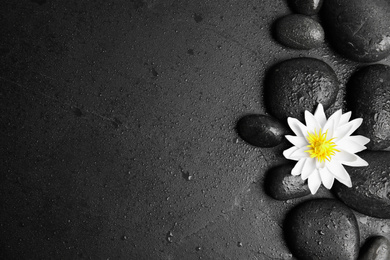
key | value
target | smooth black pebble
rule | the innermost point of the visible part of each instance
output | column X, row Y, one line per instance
column 358, row 29
column 261, row 130
column 281, row 185
column 370, row 193
column 306, row 7
column 368, row 97
column 299, row 84
column 322, row 229
column 299, row 32
column 376, row 248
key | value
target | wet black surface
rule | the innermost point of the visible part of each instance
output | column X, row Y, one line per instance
column 107, row 109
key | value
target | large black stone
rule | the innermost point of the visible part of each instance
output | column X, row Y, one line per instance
column 281, row 185
column 261, row 130
column 307, row 7
column 299, row 84
column 368, row 96
column 299, row 32
column 322, row 229
column 359, row 29
column 370, row 193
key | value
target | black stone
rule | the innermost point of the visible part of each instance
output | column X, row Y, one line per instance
column 370, row 193
column 299, row 84
column 299, row 32
column 376, row 248
column 307, row 7
column 322, row 229
column 359, row 29
column 261, row 130
column 368, row 96
column 281, row 185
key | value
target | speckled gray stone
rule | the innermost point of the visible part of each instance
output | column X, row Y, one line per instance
column 306, row 7
column 261, row 130
column 281, row 185
column 368, row 96
column 299, row 84
column 322, row 229
column 358, row 29
column 376, row 248
column 370, row 193
column 299, row 32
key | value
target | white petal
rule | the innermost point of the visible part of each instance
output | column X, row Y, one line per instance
column 319, row 114
column 344, row 157
column 299, row 154
column 349, row 145
column 357, row 162
column 287, row 153
column 359, row 139
column 327, row 178
column 311, row 123
column 308, row 168
column 297, row 127
column 297, row 140
column 314, row 182
column 345, row 118
column 332, row 123
column 338, row 172
column 298, row 167
column 347, row 129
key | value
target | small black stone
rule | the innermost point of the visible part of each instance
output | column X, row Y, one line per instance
column 376, row 248
column 370, row 193
column 306, row 7
column 299, row 84
column 322, row 229
column 368, row 96
column 358, row 29
column 261, row 130
column 299, row 32
column 281, row 185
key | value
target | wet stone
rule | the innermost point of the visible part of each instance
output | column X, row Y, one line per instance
column 355, row 32
column 261, row 130
column 299, row 32
column 281, row 185
column 306, row 7
column 299, row 84
column 368, row 96
column 376, row 248
column 322, row 229
column 370, row 193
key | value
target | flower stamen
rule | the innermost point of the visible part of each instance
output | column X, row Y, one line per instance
column 320, row 147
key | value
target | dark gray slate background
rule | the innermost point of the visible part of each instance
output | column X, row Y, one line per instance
column 117, row 130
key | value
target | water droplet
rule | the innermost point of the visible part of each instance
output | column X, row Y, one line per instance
column 239, row 244
column 198, row 248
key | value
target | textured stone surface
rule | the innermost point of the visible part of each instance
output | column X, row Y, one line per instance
column 370, row 193
column 261, row 130
column 307, row 7
column 299, row 84
column 281, row 185
column 358, row 29
column 322, row 229
column 376, row 248
column 299, row 32
column 368, row 97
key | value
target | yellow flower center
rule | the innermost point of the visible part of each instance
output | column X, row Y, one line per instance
column 320, row 147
